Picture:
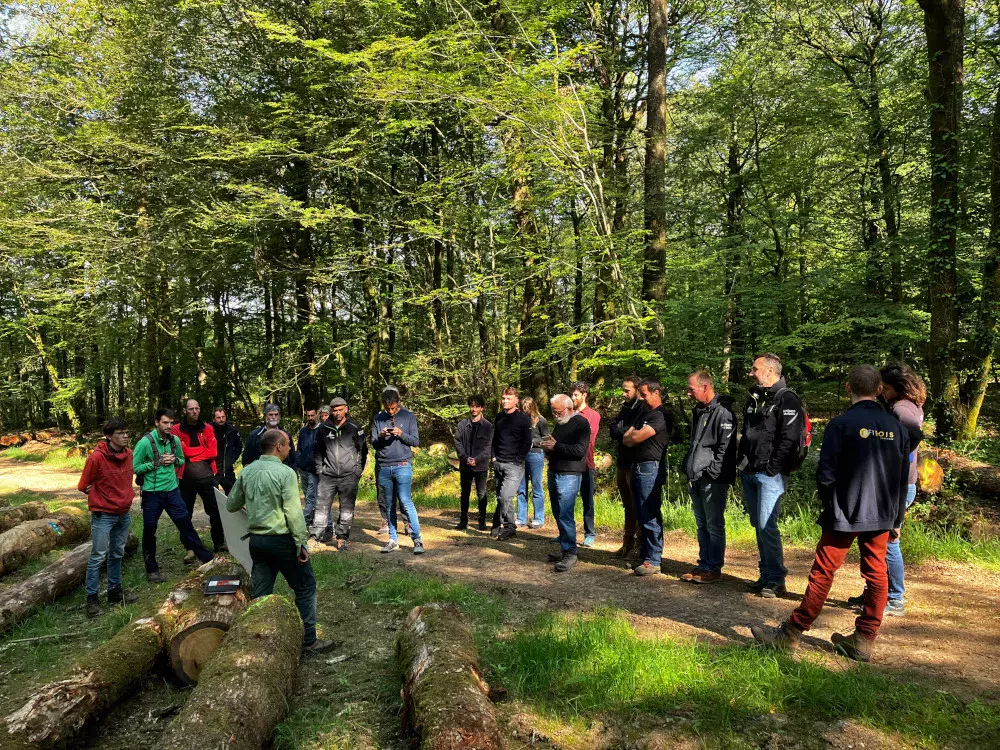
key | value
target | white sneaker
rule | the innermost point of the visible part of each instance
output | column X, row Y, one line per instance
column 390, row 546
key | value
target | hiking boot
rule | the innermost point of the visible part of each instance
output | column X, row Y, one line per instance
column 706, row 576
column 894, row 608
column 856, row 601
column 773, row 590
column 318, row 647
column 567, row 562
column 190, row 558
column 383, row 529
column 506, row 534
column 462, row 525
column 93, row 606
column 418, row 547
column 785, row 637
column 327, row 536
column 221, row 549
column 853, row 646
column 757, row 585
column 646, row 569
column 481, row 525
column 156, row 577
column 555, row 556
column 689, row 577
column 495, row 532
column 588, row 540
column 390, row 546
column 118, row 595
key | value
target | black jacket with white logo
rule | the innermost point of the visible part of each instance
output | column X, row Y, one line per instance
column 712, row 453
column 340, row 451
column 773, row 426
column 863, row 470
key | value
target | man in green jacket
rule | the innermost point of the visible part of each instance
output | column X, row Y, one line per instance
column 156, row 458
column 278, row 535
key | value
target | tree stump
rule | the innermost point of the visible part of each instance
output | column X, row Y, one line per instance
column 18, row 514
column 200, row 621
column 111, row 671
column 59, row 578
column 244, row 689
column 445, row 700
column 32, row 539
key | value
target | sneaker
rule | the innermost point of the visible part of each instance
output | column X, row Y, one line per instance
column 853, row 646
column 390, row 546
column 418, row 547
column 757, row 585
column 318, row 647
column 894, row 608
column 533, row 525
column 383, row 529
column 190, row 558
column 555, row 556
column 495, row 532
column 462, row 525
column 567, row 562
column 156, row 577
column 118, row 595
column 646, row 569
column 506, row 534
column 773, row 590
column 785, row 637
column 706, row 576
column 93, row 606
column 689, row 577
column 588, row 540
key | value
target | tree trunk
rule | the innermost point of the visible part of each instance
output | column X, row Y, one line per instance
column 57, row 711
column 11, row 517
column 732, row 263
column 243, row 692
column 445, row 700
column 200, row 621
column 655, row 214
column 19, row 601
column 22, row 544
column 944, row 25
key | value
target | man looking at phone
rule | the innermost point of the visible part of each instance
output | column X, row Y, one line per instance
column 156, row 459
column 394, row 436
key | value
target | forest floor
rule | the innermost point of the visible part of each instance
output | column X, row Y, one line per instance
column 680, row 674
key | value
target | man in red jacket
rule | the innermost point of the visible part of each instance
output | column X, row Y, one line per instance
column 107, row 480
column 197, row 477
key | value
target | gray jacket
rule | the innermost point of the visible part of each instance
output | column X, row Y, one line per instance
column 394, row 450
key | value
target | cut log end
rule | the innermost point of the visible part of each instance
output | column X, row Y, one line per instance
column 191, row 651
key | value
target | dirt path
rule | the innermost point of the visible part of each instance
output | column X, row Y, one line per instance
column 949, row 637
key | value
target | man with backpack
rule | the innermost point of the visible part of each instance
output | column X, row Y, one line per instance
column 772, row 446
column 158, row 455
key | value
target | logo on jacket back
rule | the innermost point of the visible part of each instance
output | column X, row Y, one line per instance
column 865, row 433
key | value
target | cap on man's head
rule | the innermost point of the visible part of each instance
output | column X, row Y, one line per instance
column 338, row 401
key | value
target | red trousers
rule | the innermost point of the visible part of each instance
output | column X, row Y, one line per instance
column 830, row 555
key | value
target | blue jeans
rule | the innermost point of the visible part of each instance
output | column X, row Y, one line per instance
column 534, row 465
column 310, row 487
column 894, row 558
column 563, row 489
column 708, row 501
column 647, row 497
column 108, row 534
column 587, row 496
column 396, row 480
column 762, row 500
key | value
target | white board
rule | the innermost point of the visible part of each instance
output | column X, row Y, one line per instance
column 236, row 528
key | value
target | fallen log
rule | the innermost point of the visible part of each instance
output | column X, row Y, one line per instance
column 106, row 674
column 19, row 601
column 244, row 689
column 445, row 700
column 18, row 514
column 981, row 478
column 199, row 621
column 31, row 539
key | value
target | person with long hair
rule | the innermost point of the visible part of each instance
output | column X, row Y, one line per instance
column 904, row 393
column 534, row 467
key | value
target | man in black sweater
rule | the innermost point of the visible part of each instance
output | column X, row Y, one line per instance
column 511, row 443
column 567, row 448
column 862, row 481
column 229, row 445
column 632, row 407
column 473, row 444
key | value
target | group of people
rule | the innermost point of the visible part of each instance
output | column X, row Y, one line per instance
column 866, row 480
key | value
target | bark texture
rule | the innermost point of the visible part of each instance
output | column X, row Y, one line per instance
column 445, row 700
column 11, row 517
column 32, row 539
column 244, row 689
column 19, row 601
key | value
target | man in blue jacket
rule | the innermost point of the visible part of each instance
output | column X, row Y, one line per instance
column 862, row 481
column 394, row 436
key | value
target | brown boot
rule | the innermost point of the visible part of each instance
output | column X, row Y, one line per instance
column 785, row 637
column 853, row 646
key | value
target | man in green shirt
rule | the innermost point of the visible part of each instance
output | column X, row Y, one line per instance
column 278, row 536
column 155, row 459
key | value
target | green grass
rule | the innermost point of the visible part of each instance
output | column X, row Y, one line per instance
column 594, row 665
column 55, row 459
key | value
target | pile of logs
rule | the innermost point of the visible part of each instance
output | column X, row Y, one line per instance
column 33, row 538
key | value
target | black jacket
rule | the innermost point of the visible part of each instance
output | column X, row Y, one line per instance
column 712, row 452
column 340, row 451
column 230, row 445
column 511, row 437
column 569, row 456
column 251, row 451
column 863, row 468
column 481, row 449
column 627, row 417
column 773, row 426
